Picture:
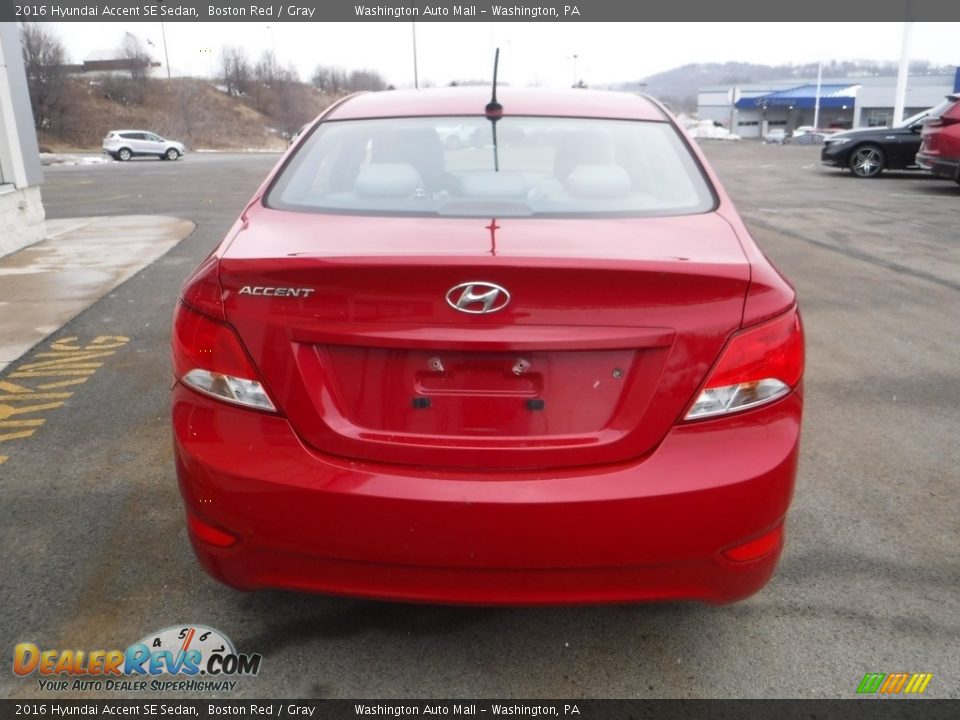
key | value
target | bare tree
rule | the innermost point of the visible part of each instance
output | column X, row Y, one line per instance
column 329, row 80
column 44, row 58
column 235, row 71
column 266, row 74
column 138, row 63
column 266, row 70
column 337, row 81
column 366, row 80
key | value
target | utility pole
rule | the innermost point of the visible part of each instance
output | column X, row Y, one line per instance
column 416, row 81
column 904, row 69
column 166, row 57
column 816, row 102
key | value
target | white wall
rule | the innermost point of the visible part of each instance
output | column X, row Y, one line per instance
column 21, row 209
column 21, row 218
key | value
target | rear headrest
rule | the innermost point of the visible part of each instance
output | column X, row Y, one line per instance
column 419, row 147
column 581, row 147
column 379, row 180
column 493, row 184
column 598, row 181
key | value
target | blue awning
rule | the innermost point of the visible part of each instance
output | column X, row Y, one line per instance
column 805, row 96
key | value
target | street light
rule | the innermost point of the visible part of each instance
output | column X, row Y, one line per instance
column 273, row 40
column 416, row 82
column 166, row 57
column 816, row 101
column 574, row 58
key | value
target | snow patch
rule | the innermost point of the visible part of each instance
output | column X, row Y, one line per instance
column 67, row 159
column 239, row 150
column 705, row 129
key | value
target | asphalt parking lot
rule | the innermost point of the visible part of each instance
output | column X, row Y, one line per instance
column 97, row 554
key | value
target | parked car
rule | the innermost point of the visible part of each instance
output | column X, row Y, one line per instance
column 776, row 136
column 940, row 140
column 809, row 135
column 381, row 391
column 125, row 144
column 455, row 136
column 870, row 151
column 808, row 138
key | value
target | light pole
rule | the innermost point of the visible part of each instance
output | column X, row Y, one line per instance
column 903, row 71
column 574, row 58
column 416, row 81
column 166, row 57
column 273, row 40
column 816, row 102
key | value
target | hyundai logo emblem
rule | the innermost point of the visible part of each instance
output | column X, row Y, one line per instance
column 477, row 298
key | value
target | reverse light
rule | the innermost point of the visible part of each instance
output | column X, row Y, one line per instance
column 208, row 357
column 229, row 388
column 758, row 365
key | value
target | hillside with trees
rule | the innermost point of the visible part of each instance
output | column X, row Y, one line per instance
column 259, row 103
column 251, row 104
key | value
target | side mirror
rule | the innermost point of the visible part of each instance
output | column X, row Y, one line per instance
column 916, row 127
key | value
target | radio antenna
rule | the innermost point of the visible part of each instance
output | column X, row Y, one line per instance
column 494, row 111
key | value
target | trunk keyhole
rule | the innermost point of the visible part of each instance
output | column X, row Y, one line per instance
column 520, row 366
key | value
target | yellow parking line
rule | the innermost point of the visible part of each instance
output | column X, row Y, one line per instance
column 17, row 435
column 52, row 373
column 22, row 423
column 9, row 410
column 38, row 396
column 61, row 383
column 13, row 387
column 69, row 359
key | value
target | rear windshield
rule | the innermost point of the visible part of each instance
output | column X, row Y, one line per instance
column 450, row 166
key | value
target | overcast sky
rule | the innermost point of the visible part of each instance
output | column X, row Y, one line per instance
column 531, row 53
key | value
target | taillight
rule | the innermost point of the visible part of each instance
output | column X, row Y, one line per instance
column 202, row 290
column 208, row 357
column 942, row 121
column 758, row 365
column 207, row 354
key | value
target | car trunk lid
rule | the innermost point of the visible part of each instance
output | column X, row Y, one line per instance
column 610, row 328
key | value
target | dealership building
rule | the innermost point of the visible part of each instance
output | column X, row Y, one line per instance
column 21, row 209
column 751, row 110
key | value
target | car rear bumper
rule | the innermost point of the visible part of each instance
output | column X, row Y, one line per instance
column 653, row 529
column 945, row 167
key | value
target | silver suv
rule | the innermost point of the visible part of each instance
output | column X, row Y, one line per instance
column 125, row 144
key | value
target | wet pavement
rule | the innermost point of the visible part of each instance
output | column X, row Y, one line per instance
column 45, row 285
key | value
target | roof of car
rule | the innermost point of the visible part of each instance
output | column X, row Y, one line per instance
column 134, row 130
column 515, row 101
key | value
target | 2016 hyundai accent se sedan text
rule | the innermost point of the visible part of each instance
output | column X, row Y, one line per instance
column 548, row 365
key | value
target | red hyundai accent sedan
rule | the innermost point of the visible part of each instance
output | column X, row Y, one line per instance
column 522, row 357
